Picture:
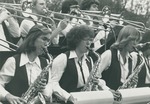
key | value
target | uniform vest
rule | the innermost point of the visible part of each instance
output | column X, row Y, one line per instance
column 69, row 79
column 112, row 75
column 142, row 77
column 19, row 84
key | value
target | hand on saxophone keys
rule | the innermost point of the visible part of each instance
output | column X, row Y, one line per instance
column 14, row 99
column 101, row 84
column 117, row 95
column 41, row 84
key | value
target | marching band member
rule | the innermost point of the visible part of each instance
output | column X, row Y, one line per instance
column 101, row 33
column 91, row 5
column 71, row 70
column 144, row 75
column 21, row 70
column 66, row 8
column 117, row 63
column 37, row 7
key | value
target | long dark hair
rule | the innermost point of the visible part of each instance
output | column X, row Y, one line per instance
column 28, row 44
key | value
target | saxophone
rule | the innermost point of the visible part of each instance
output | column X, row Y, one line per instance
column 90, row 85
column 132, row 80
column 30, row 95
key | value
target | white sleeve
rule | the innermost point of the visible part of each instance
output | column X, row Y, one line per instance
column 6, row 74
column 58, row 68
column 105, row 62
column 13, row 27
column 25, row 26
column 102, row 84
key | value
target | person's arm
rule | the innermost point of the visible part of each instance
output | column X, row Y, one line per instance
column 6, row 74
column 2, row 36
column 57, row 31
column 13, row 27
column 58, row 69
column 12, row 24
column 105, row 62
column 4, row 14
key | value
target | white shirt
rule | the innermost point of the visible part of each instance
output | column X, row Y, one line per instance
column 106, row 58
column 124, row 66
column 8, row 70
column 58, row 68
column 147, row 79
column 101, row 35
column 26, row 25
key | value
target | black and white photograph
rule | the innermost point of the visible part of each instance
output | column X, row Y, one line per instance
column 74, row 51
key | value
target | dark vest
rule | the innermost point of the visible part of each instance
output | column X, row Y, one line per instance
column 69, row 79
column 112, row 75
column 19, row 84
column 141, row 78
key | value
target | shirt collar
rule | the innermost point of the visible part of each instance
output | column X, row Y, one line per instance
column 74, row 55
column 24, row 60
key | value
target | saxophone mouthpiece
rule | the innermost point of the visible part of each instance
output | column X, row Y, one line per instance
column 49, row 56
column 45, row 50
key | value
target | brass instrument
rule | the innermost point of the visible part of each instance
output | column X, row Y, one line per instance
column 30, row 95
column 90, row 85
column 11, row 49
column 38, row 15
column 115, row 17
column 132, row 80
column 48, row 12
column 138, row 25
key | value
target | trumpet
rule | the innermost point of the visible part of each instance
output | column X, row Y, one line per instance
column 10, row 4
column 16, row 6
column 48, row 12
column 38, row 15
column 114, row 17
column 138, row 25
